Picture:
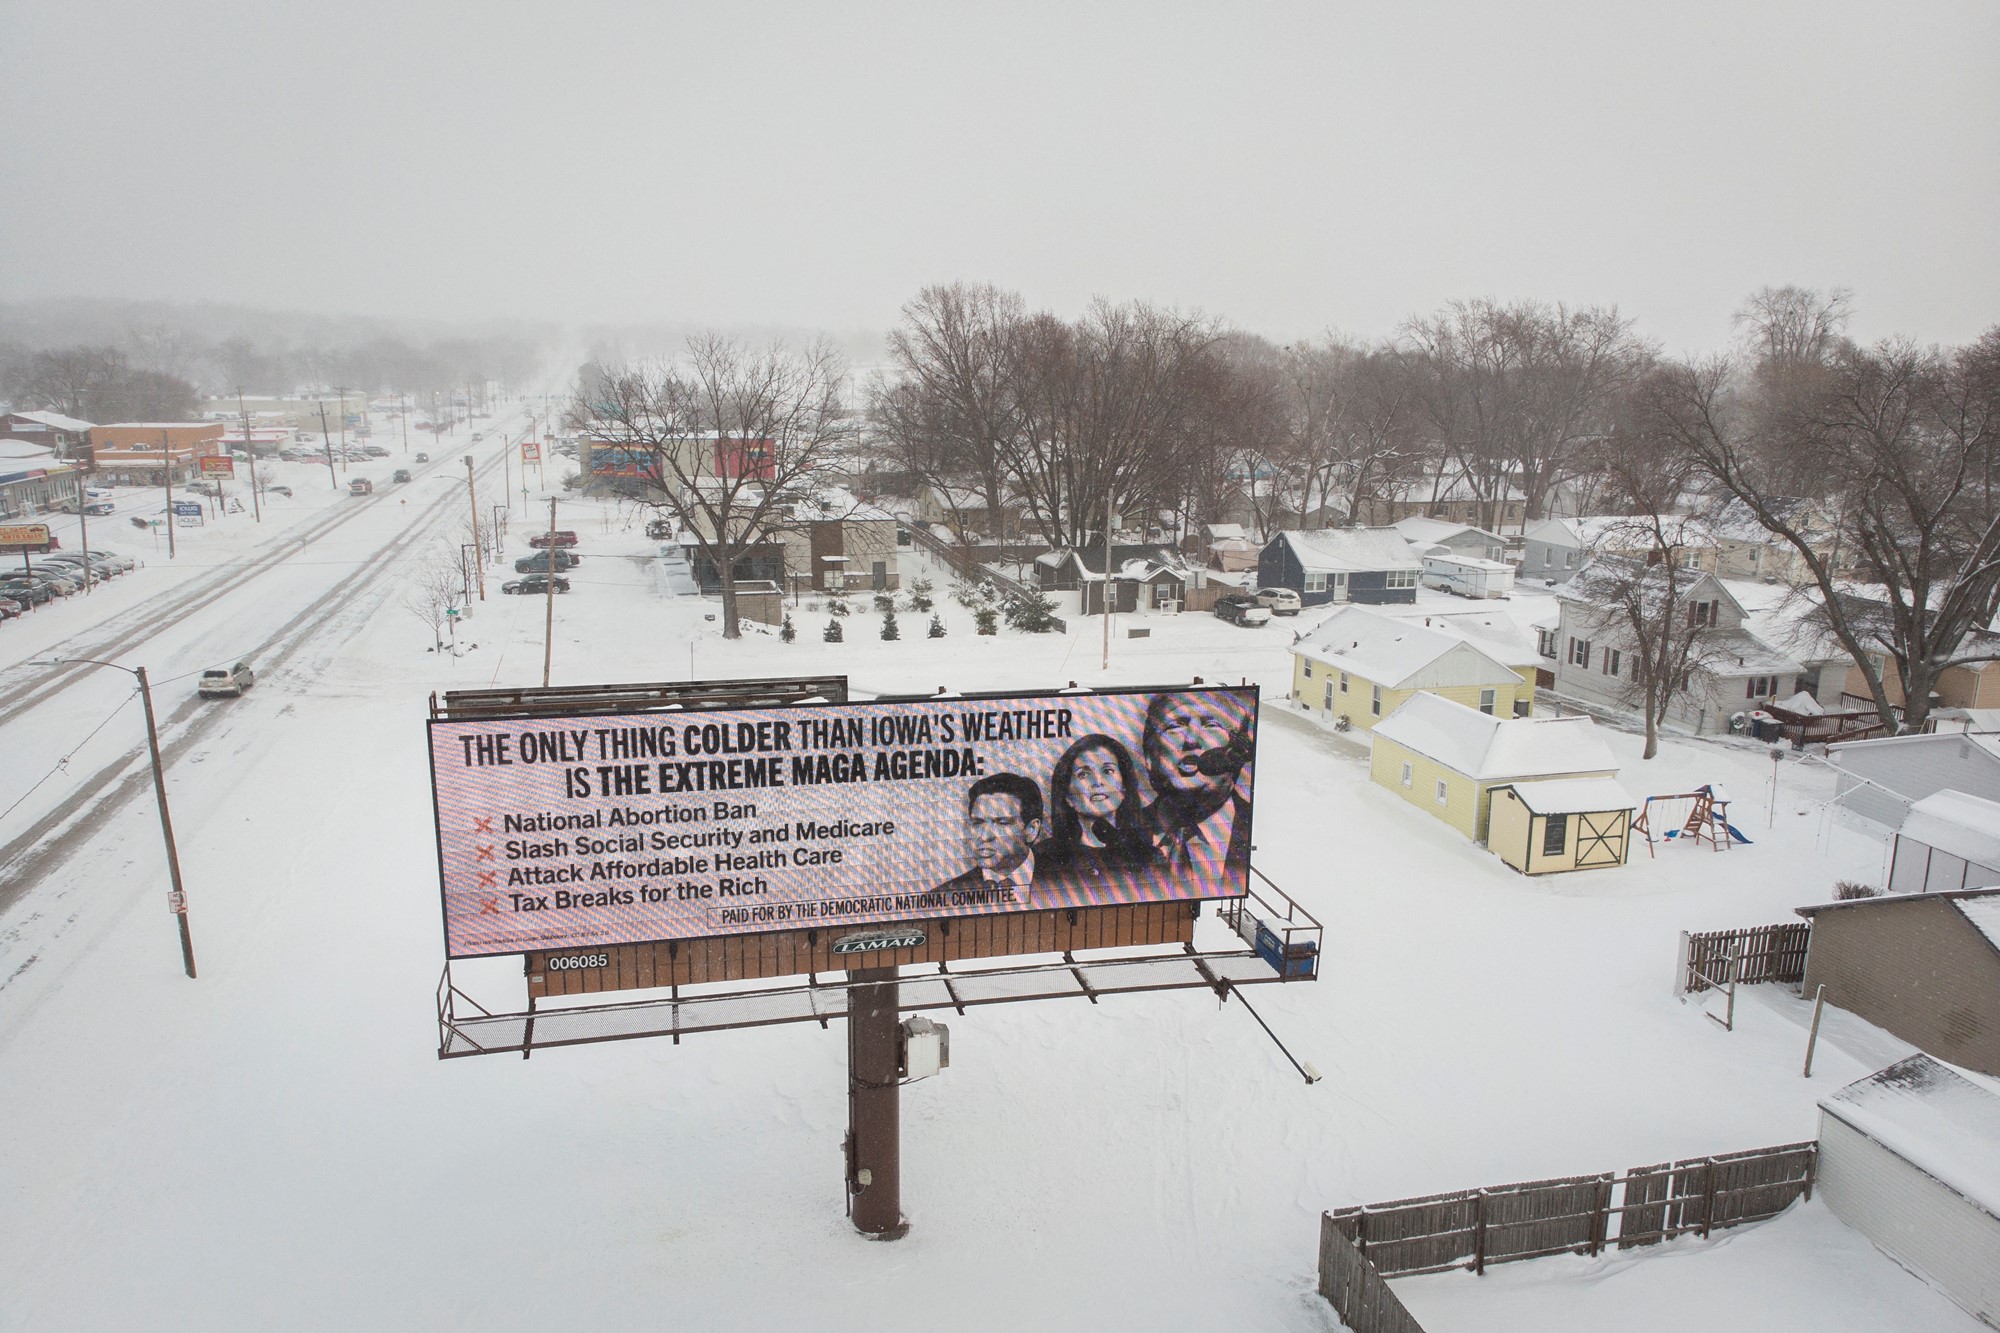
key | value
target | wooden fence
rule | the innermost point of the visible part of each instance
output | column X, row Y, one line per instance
column 1573, row 1214
column 1769, row 953
column 1357, row 1291
column 966, row 564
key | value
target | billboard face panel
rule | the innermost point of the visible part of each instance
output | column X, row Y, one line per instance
column 618, row 460
column 557, row 833
column 213, row 465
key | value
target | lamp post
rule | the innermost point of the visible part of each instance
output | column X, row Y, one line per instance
column 177, row 896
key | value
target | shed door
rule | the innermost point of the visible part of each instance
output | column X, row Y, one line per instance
column 1600, row 839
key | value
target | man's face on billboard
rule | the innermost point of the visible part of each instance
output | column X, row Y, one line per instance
column 1190, row 727
column 996, row 836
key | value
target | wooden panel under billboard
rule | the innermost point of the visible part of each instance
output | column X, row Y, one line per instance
column 787, row 953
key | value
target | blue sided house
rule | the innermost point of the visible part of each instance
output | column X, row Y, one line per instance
column 1373, row 566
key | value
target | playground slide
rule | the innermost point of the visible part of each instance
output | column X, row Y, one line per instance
column 1737, row 834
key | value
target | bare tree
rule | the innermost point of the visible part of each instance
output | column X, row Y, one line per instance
column 436, row 588
column 1902, row 440
column 728, row 440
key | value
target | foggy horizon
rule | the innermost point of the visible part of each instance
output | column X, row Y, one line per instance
column 1289, row 170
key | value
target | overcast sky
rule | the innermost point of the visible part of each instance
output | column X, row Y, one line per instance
column 1290, row 167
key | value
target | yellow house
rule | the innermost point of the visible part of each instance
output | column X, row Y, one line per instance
column 1361, row 665
column 1561, row 824
column 1447, row 759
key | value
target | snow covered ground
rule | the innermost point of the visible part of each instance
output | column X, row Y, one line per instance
column 275, row 1145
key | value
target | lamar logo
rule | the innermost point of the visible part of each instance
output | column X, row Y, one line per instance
column 868, row 941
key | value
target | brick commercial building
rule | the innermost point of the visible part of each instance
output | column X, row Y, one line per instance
column 139, row 453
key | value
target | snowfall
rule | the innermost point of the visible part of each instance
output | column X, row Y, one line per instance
column 277, row 1145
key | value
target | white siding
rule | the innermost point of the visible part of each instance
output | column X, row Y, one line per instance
column 1917, row 1219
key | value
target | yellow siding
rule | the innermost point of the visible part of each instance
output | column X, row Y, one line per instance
column 1507, row 829
column 1461, row 808
column 1355, row 705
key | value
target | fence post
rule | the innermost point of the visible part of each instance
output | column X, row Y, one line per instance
column 1479, row 1233
column 1708, row 1196
column 1600, row 1232
column 1681, row 967
column 1812, row 1039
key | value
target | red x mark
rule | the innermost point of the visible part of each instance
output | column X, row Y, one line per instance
column 489, row 906
column 485, row 854
column 483, row 825
column 486, row 880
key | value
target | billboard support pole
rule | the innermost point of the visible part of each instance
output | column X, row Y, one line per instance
column 874, row 1128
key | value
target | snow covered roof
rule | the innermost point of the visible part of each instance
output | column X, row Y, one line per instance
column 1738, row 652
column 1980, row 720
column 1494, row 633
column 1386, row 651
column 1446, row 556
column 1487, row 748
column 1934, row 1118
column 1131, row 562
column 1222, row 532
column 1983, row 911
column 1574, row 796
column 1353, row 549
column 54, row 420
column 1431, row 531
column 22, row 451
column 1952, row 821
column 1555, row 532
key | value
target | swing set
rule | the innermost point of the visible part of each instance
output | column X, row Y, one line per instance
column 1701, row 815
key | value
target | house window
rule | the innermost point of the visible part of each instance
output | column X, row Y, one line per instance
column 1555, row 835
column 1761, row 687
column 1608, row 663
column 1579, row 652
column 1315, row 580
column 1444, row 793
column 1486, row 701
column 1402, row 578
column 1375, row 701
column 1569, row 559
column 1701, row 614
column 1409, row 776
column 1343, row 682
column 1309, row 669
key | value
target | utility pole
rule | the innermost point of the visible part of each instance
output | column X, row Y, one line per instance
column 549, row 612
column 167, row 455
column 472, row 493
column 326, row 439
column 83, row 526
column 250, row 448
column 343, row 426
column 177, row 899
column 1107, row 577
column 874, row 1103
column 404, row 415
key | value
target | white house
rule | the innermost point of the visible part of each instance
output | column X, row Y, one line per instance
column 1458, row 538
column 1736, row 670
column 1880, row 779
column 1551, row 550
column 1910, row 1158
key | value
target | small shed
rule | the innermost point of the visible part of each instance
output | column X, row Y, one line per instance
column 1467, row 576
column 1541, row 828
column 1910, row 1158
column 1925, row 966
column 1949, row 840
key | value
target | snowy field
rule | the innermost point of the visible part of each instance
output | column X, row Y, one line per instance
column 276, row 1145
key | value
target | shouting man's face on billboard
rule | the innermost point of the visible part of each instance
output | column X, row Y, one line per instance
column 1188, row 742
column 996, row 836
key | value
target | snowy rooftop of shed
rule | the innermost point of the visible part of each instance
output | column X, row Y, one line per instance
column 1424, row 531
column 1936, row 1119
column 1486, row 748
column 1574, row 796
column 54, row 420
column 1383, row 650
column 1953, row 821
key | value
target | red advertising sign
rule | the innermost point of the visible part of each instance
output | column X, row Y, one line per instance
column 558, row 833
column 531, row 452
column 218, row 465
column 33, row 537
column 753, row 460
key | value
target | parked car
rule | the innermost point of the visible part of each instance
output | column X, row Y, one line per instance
column 35, row 589
column 201, row 487
column 660, row 530
column 477, row 436
column 541, row 561
column 400, row 474
column 1281, row 601
column 535, row 583
column 57, row 562
column 361, row 486
column 9, row 608
column 226, row 682
column 1242, row 610
column 560, row 537
column 423, row 458
column 285, row 491
column 374, row 451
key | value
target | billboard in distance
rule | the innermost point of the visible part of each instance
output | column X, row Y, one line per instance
column 622, row 828
column 217, row 465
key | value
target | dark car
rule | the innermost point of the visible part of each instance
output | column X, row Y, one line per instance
column 26, row 592
column 660, row 530
column 400, row 474
column 535, row 583
column 423, row 458
column 541, row 561
column 1240, row 610
column 285, row 491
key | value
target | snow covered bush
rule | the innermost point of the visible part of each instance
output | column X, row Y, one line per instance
column 937, row 626
column 833, row 632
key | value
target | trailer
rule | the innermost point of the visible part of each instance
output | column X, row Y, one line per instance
column 1467, row 576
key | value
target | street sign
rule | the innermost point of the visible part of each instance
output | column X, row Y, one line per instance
column 531, row 452
column 24, row 537
column 218, row 465
column 187, row 509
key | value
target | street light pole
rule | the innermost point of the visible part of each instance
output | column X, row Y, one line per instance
column 472, row 491
column 177, row 894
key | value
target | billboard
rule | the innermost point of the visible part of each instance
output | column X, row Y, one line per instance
column 531, row 452
column 622, row 460
column 218, row 465
column 616, row 828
